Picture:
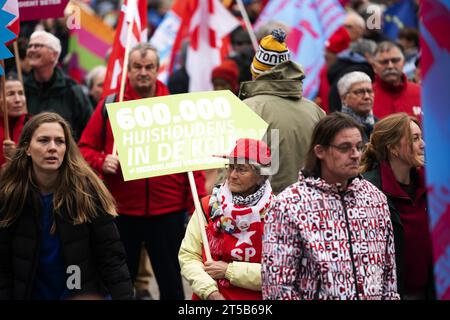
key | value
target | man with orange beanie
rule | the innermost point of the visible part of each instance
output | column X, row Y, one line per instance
column 276, row 96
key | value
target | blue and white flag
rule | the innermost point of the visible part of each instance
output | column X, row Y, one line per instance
column 398, row 16
column 5, row 34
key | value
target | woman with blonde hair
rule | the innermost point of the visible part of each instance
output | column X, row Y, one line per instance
column 57, row 235
column 393, row 162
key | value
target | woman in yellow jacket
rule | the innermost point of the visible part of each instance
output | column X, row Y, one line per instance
column 234, row 215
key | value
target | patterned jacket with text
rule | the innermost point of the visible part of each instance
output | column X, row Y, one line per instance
column 322, row 243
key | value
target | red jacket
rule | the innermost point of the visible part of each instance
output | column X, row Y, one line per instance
column 151, row 196
column 15, row 129
column 417, row 239
column 390, row 98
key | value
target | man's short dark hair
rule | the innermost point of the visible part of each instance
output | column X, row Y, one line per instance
column 143, row 48
column 324, row 132
column 410, row 34
column 387, row 46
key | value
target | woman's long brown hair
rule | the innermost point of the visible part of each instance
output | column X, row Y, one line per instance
column 386, row 134
column 79, row 191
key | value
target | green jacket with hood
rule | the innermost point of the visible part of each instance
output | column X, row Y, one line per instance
column 61, row 95
column 276, row 96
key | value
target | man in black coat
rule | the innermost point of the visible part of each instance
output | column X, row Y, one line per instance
column 48, row 88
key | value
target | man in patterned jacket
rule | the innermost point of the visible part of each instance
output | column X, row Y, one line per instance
column 329, row 236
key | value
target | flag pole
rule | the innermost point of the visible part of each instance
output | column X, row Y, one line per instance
column 18, row 65
column 130, row 20
column 200, row 216
column 248, row 25
column 125, row 61
column 5, row 107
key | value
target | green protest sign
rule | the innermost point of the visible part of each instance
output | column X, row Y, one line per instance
column 180, row 133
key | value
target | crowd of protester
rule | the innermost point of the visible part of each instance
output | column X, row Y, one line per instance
column 341, row 214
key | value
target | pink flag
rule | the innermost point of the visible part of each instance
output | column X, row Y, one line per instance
column 435, row 66
column 312, row 22
column 135, row 11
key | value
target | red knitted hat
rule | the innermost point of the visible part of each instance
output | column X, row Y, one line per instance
column 339, row 40
column 229, row 72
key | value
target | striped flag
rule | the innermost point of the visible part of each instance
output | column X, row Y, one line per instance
column 312, row 22
column 88, row 43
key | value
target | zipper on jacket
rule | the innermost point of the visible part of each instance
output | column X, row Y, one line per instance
column 350, row 243
column 318, row 288
column 36, row 257
column 146, row 197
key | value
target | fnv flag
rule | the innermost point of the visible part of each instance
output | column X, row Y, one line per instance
column 435, row 67
column 136, row 12
column 312, row 22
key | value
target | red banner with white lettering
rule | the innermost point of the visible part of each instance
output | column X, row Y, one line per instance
column 41, row 9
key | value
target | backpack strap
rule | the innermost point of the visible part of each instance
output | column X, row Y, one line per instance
column 109, row 99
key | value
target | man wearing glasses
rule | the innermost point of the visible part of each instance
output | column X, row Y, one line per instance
column 356, row 92
column 329, row 236
column 48, row 88
column 393, row 92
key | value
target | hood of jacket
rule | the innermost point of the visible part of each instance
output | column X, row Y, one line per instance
column 284, row 80
column 353, row 186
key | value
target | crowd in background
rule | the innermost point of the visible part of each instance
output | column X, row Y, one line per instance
column 370, row 84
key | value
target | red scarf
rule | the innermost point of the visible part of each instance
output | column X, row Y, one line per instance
column 243, row 244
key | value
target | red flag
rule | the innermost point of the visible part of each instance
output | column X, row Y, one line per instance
column 12, row 7
column 207, row 24
column 136, row 10
column 210, row 23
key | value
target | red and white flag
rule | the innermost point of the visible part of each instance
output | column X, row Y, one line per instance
column 136, row 12
column 12, row 7
column 207, row 24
